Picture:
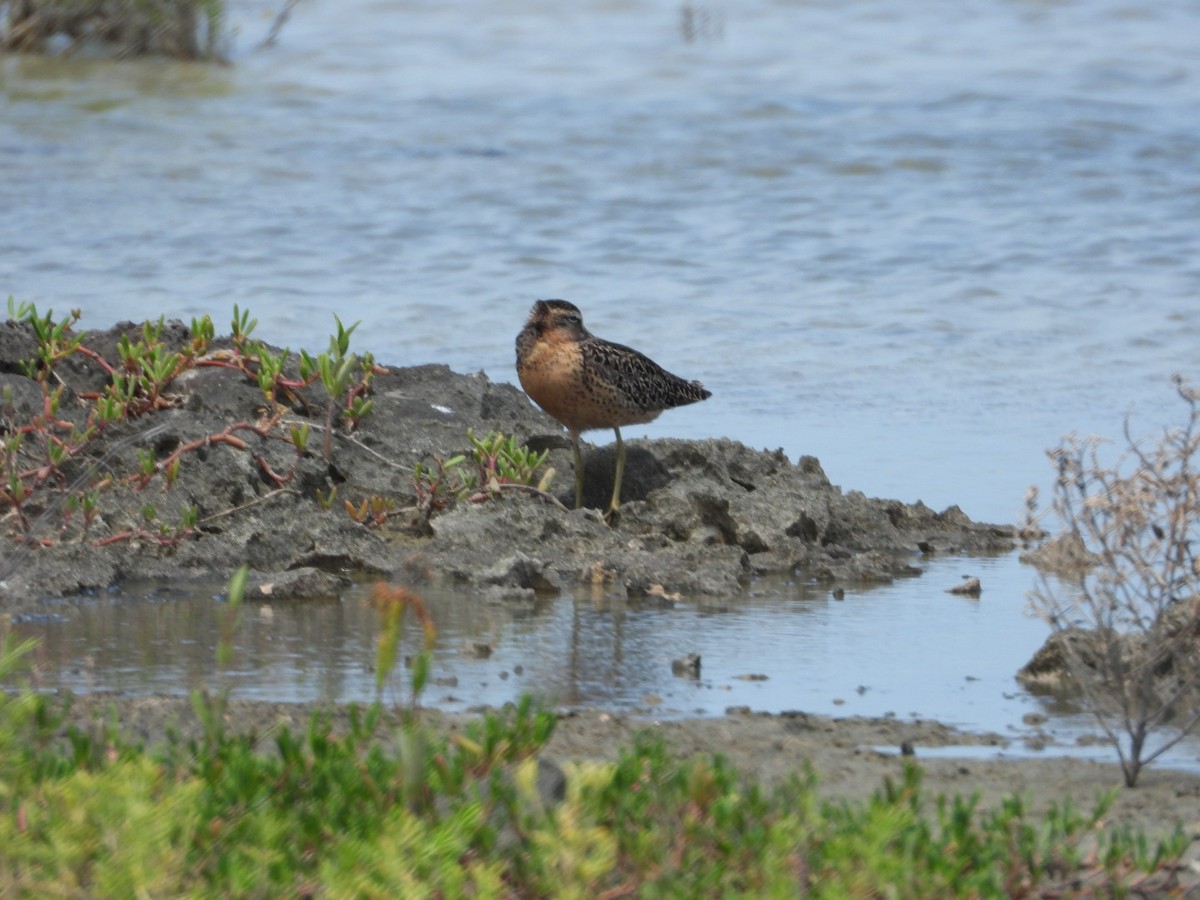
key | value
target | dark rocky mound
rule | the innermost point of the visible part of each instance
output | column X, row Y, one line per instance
column 699, row 517
column 1165, row 652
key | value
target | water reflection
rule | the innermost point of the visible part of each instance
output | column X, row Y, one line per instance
column 909, row 649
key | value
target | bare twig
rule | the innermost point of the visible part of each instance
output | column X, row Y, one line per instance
column 375, row 453
column 530, row 489
column 277, row 25
column 269, row 495
column 1139, row 519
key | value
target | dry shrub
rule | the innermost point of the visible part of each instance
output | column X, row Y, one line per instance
column 1126, row 611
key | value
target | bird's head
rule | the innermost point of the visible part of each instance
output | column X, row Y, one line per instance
column 558, row 318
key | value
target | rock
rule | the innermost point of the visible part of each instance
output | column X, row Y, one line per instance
column 305, row 583
column 1064, row 556
column 1049, row 669
column 688, row 666
column 476, row 649
column 969, row 587
column 700, row 518
column 522, row 571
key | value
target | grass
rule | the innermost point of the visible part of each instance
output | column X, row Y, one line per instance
column 384, row 806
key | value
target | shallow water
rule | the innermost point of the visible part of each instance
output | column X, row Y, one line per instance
column 909, row 650
column 786, row 645
column 919, row 241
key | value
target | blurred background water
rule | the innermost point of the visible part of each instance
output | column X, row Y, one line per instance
column 920, row 241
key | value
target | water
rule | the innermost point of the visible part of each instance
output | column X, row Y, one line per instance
column 919, row 241
column 787, row 645
column 909, row 650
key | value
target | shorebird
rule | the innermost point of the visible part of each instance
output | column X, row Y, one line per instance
column 586, row 382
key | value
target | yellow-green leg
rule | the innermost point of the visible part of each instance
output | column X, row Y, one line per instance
column 616, row 497
column 578, row 472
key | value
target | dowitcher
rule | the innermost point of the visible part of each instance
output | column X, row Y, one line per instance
column 585, row 382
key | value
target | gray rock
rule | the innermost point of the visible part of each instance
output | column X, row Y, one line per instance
column 700, row 518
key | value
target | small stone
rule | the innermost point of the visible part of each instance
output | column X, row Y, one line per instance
column 304, row 583
column 477, row 649
column 970, row 587
column 688, row 666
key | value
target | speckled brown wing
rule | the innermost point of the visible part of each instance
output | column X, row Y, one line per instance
column 635, row 387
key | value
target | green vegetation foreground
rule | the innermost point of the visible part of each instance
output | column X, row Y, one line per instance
column 385, row 808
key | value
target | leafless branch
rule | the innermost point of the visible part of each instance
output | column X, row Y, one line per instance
column 1138, row 520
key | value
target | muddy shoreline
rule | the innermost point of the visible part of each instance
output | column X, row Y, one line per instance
column 699, row 519
column 851, row 756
